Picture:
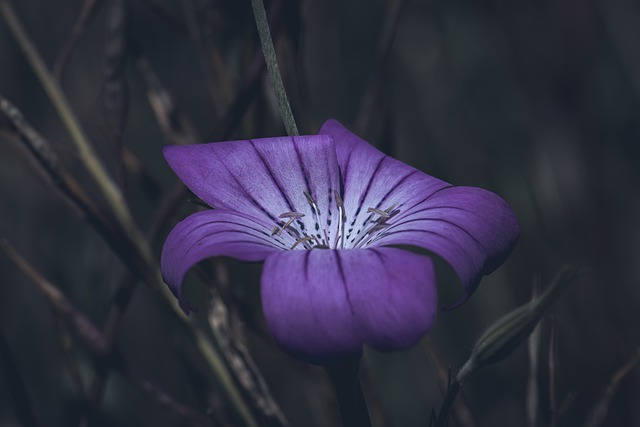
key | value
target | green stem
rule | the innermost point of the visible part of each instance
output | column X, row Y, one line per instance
column 272, row 67
column 61, row 104
column 351, row 401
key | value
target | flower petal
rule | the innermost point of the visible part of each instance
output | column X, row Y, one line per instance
column 212, row 233
column 471, row 228
column 263, row 177
column 374, row 180
column 323, row 305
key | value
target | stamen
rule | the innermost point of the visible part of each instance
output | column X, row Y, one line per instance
column 342, row 220
column 383, row 214
column 338, row 199
column 370, row 233
column 286, row 224
column 291, row 215
column 302, row 240
column 390, row 209
column 310, row 199
column 275, row 230
column 316, row 214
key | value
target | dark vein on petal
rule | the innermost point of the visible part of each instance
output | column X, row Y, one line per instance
column 303, row 168
column 365, row 193
column 343, row 277
column 306, row 264
column 191, row 228
column 346, row 164
column 379, row 255
column 272, row 176
column 195, row 244
column 435, row 249
column 247, row 194
column 395, row 186
column 260, row 234
column 446, row 221
column 407, row 211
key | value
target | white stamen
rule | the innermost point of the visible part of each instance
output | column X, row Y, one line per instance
column 383, row 214
column 369, row 231
column 302, row 240
column 291, row 215
column 341, row 220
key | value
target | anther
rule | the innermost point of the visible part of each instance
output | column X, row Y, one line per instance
column 338, row 199
column 390, row 209
column 310, row 199
column 275, row 230
column 383, row 214
column 291, row 215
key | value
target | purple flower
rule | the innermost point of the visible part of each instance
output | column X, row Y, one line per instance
column 332, row 219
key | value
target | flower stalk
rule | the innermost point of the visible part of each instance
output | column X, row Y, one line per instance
column 351, row 400
column 271, row 60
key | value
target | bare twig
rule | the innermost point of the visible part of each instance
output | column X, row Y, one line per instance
column 69, row 351
column 140, row 263
column 88, row 10
column 532, row 397
column 598, row 414
column 88, row 157
column 176, row 127
column 553, row 366
column 20, row 396
column 102, row 221
column 115, row 92
column 81, row 324
column 94, row 338
column 461, row 411
column 240, row 362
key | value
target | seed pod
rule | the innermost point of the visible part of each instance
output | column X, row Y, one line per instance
column 506, row 334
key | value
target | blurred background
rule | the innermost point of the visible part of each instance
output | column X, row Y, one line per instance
column 538, row 101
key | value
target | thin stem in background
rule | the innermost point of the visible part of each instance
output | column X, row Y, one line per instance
column 69, row 351
column 598, row 414
column 90, row 160
column 533, row 389
column 20, row 397
column 88, row 10
column 272, row 67
column 94, row 338
column 145, row 263
column 461, row 411
column 115, row 90
column 553, row 371
column 177, row 129
column 120, row 242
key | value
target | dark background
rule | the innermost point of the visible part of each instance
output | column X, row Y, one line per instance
column 538, row 101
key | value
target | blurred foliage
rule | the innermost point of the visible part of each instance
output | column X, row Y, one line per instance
column 538, row 101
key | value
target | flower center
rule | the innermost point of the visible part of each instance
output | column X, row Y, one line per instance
column 291, row 224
